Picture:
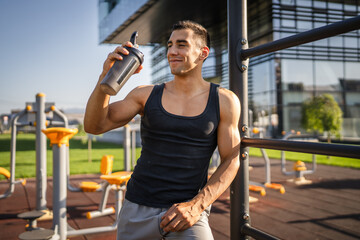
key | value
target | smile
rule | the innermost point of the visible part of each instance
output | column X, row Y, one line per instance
column 175, row 60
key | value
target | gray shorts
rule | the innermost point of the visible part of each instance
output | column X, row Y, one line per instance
column 138, row 222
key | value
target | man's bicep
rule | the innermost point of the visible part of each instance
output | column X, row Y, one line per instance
column 228, row 141
column 121, row 112
column 228, row 132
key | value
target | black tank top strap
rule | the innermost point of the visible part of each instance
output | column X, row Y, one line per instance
column 214, row 98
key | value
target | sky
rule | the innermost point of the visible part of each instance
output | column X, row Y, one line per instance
column 52, row 47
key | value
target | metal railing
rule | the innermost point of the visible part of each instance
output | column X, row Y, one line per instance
column 239, row 54
column 338, row 150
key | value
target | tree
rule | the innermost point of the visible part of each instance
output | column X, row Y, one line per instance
column 322, row 114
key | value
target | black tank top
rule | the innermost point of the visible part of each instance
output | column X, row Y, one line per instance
column 176, row 152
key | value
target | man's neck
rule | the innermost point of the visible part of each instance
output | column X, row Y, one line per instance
column 188, row 85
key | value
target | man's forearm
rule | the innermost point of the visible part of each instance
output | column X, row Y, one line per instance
column 96, row 109
column 217, row 184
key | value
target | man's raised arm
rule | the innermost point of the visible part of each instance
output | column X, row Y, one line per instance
column 100, row 116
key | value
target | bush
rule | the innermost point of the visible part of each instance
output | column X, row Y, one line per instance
column 322, row 114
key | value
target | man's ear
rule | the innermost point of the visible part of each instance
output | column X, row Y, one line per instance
column 205, row 51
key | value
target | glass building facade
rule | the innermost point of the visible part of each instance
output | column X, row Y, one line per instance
column 279, row 82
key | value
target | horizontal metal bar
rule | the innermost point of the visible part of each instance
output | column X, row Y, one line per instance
column 304, row 37
column 76, row 232
column 255, row 233
column 339, row 150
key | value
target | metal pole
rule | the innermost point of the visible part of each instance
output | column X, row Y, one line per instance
column 89, row 147
column 11, row 188
column 267, row 166
column 40, row 153
column 304, row 37
column 59, row 139
column 60, row 115
column 331, row 149
column 257, row 234
column 13, row 152
column 59, row 191
column 126, row 146
column 238, row 79
column 133, row 147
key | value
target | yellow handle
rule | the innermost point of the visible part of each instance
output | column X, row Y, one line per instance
column 58, row 135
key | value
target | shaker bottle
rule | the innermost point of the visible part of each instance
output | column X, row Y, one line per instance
column 122, row 70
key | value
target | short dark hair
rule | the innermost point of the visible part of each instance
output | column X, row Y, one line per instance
column 198, row 29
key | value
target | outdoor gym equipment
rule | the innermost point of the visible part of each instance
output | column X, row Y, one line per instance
column 31, row 217
column 105, row 169
column 34, row 114
column 129, row 145
column 258, row 187
column 299, row 167
column 10, row 177
column 59, row 140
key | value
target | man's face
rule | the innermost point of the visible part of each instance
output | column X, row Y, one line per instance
column 183, row 51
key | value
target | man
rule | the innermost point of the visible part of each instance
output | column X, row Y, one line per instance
column 182, row 122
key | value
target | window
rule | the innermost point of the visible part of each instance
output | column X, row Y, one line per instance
column 350, row 42
column 328, row 75
column 304, row 25
column 336, row 41
column 287, row 23
column 297, row 75
column 288, row 2
column 304, row 3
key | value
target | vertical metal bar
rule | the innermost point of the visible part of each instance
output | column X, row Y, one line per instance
column 267, row 166
column 89, row 147
column 105, row 195
column 238, row 81
column 133, row 148
column 59, row 190
column 126, row 146
column 40, row 153
column 11, row 188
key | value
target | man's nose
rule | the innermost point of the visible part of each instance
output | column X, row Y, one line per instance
column 172, row 51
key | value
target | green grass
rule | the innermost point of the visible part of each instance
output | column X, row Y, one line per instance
column 79, row 164
column 305, row 157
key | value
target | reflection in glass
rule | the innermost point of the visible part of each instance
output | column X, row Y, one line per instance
column 304, row 25
column 350, row 42
column 297, row 75
column 336, row 41
column 327, row 75
column 288, row 23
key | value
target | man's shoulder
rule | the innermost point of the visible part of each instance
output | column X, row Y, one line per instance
column 142, row 91
column 229, row 105
column 144, row 88
column 140, row 94
column 228, row 97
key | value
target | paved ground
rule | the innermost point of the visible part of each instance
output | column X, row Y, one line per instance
column 329, row 208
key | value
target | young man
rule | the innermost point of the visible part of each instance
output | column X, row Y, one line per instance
column 183, row 120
